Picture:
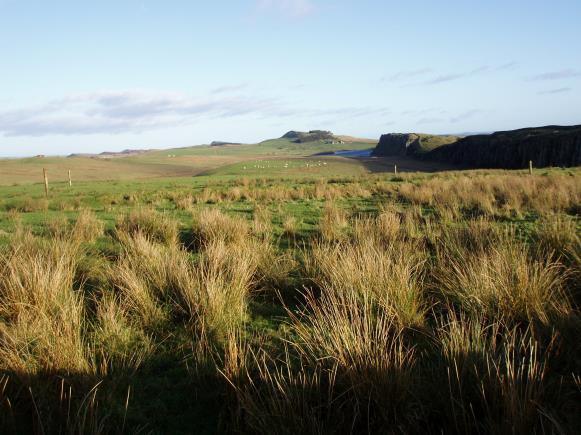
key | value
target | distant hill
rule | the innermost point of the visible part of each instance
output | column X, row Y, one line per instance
column 311, row 136
column 110, row 154
column 544, row 146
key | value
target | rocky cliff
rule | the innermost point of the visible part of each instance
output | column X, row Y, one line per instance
column 397, row 144
column 544, row 146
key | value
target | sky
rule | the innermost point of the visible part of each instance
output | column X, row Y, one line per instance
column 88, row 76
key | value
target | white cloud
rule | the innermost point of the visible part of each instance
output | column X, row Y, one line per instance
column 133, row 111
column 115, row 112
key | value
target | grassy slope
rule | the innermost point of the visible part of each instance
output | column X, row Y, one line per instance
column 292, row 167
column 27, row 171
column 272, row 147
column 179, row 162
column 429, row 142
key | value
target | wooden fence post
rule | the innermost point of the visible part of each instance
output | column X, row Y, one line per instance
column 530, row 167
column 45, row 182
column 395, row 169
column 70, row 179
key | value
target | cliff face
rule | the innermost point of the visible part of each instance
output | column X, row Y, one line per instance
column 397, row 144
column 545, row 146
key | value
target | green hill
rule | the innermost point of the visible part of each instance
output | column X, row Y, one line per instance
column 176, row 162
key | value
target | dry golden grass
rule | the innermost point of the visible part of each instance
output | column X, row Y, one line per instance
column 363, row 342
column 274, row 395
column 273, row 268
column 261, row 222
column 426, row 311
column 334, row 222
column 151, row 223
column 159, row 282
column 503, row 195
column 119, row 342
column 384, row 229
column 559, row 235
column 87, row 227
column 224, row 281
column 513, row 385
column 211, row 225
column 289, row 226
column 58, row 227
column 147, row 275
column 496, row 377
column 502, row 280
column 42, row 314
column 184, row 203
column 389, row 275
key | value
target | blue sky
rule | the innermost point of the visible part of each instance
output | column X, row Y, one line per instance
column 89, row 76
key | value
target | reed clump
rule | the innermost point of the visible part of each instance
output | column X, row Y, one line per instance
column 151, row 223
column 42, row 314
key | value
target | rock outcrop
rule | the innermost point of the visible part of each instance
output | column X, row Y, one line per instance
column 544, row 146
column 397, row 144
column 311, row 136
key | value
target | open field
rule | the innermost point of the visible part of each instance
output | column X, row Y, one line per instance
column 293, row 300
column 179, row 162
column 290, row 217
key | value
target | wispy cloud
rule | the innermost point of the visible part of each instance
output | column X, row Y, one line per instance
column 506, row 66
column 291, row 8
column 557, row 75
column 117, row 112
column 455, row 76
column 407, row 75
column 554, row 91
column 421, row 112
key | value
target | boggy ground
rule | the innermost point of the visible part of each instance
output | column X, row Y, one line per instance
column 420, row 303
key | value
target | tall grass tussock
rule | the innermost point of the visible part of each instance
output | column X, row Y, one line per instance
column 425, row 303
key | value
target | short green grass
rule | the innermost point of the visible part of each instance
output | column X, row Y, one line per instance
column 430, row 142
